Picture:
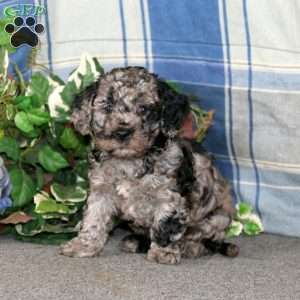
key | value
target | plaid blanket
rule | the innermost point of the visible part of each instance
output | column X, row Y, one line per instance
column 241, row 58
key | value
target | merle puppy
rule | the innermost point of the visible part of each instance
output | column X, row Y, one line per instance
column 141, row 171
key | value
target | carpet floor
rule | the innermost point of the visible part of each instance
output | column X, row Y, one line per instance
column 268, row 267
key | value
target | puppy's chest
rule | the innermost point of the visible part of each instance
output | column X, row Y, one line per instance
column 137, row 183
column 117, row 170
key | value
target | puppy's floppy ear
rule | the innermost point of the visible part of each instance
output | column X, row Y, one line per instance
column 82, row 109
column 175, row 108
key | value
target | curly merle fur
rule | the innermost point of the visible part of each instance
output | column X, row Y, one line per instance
column 174, row 199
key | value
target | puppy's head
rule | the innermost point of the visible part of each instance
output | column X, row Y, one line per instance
column 126, row 110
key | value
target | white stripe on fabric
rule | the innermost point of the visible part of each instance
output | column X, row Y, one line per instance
column 227, row 88
column 134, row 32
column 275, row 25
column 148, row 35
column 237, row 65
column 92, row 19
column 42, row 54
column 240, row 88
column 274, row 42
column 236, row 30
column 276, row 123
column 241, row 130
column 267, row 165
column 271, row 186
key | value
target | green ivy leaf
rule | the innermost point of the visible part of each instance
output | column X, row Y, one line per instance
column 81, row 168
column 63, row 116
column 51, row 160
column 33, row 134
column 88, row 78
column 39, row 175
column 72, row 193
column 51, row 206
column 57, row 216
column 46, row 238
column 98, row 66
column 69, row 92
column 4, row 36
column 252, row 224
column 31, row 228
column 251, row 228
column 65, row 177
column 23, row 188
column 234, row 229
column 244, row 209
column 30, row 154
column 40, row 88
column 10, row 147
column 56, row 78
column 23, row 123
column 68, row 139
column 81, row 151
column 38, row 117
column 23, row 102
column 36, row 103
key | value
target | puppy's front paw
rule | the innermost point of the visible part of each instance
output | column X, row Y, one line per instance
column 78, row 248
column 165, row 255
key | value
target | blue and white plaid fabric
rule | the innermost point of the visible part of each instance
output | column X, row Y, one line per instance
column 242, row 58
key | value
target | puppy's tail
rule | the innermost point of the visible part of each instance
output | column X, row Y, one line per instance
column 226, row 249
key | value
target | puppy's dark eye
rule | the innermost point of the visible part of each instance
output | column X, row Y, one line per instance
column 126, row 108
column 107, row 108
column 143, row 109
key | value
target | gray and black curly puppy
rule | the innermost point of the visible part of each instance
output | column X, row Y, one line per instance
column 174, row 199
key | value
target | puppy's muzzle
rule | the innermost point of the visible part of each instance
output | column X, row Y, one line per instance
column 122, row 134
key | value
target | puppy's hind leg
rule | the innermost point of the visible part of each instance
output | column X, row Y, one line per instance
column 214, row 232
column 166, row 233
column 96, row 224
column 224, row 248
column 135, row 243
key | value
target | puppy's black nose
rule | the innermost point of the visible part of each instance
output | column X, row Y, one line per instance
column 123, row 134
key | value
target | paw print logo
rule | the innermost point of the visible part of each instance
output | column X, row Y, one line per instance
column 24, row 32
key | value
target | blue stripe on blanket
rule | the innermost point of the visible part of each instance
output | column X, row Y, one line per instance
column 175, row 34
column 188, row 49
column 212, row 99
column 168, row 25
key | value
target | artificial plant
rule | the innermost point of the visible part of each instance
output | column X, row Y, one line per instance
column 244, row 221
column 46, row 159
